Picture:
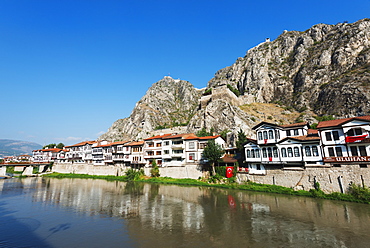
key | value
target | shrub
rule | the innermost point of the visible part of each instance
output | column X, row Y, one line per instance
column 361, row 193
column 155, row 169
column 133, row 174
column 207, row 92
column 325, row 118
column 235, row 91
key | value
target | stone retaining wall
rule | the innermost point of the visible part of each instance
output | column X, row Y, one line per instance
column 89, row 169
column 188, row 171
column 332, row 179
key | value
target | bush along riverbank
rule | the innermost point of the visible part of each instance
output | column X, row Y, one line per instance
column 355, row 193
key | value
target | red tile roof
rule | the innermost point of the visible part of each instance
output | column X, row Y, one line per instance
column 49, row 150
column 229, row 158
column 338, row 122
column 185, row 135
column 158, row 136
column 119, row 143
column 135, row 143
column 312, row 131
column 83, row 143
column 209, row 137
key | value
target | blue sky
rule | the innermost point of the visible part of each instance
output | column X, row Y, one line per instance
column 69, row 69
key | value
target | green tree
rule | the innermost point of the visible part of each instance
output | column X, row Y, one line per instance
column 224, row 134
column 213, row 153
column 155, row 169
column 203, row 133
column 242, row 139
column 60, row 146
column 52, row 145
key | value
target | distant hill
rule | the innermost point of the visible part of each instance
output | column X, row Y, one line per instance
column 17, row 147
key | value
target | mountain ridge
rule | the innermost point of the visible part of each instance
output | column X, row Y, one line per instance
column 324, row 70
column 10, row 147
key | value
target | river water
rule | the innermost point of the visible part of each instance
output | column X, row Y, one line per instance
column 44, row 212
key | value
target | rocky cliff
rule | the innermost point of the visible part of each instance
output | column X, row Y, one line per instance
column 324, row 70
column 168, row 103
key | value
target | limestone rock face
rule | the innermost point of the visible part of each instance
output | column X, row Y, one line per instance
column 324, row 69
column 167, row 103
column 221, row 115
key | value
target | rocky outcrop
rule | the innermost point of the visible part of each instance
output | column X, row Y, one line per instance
column 324, row 69
column 166, row 104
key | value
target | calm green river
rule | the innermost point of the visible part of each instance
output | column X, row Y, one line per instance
column 43, row 212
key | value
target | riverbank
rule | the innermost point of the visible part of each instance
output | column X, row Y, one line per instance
column 355, row 194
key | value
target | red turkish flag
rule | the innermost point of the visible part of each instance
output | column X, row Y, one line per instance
column 229, row 171
column 350, row 139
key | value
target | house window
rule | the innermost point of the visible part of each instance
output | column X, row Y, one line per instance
column 258, row 167
column 257, row 153
column 336, row 135
column 362, row 151
column 295, row 131
column 259, row 135
column 269, row 152
column 202, row 145
column 331, row 152
column 287, row 132
column 248, row 153
column 253, row 154
column 290, row 152
column 158, row 153
column 328, row 136
column 191, row 145
column 191, row 156
column 354, row 151
column 315, row 151
column 166, row 151
column 354, row 132
column 277, row 134
column 296, row 152
column 338, row 150
column 264, row 153
column 271, row 134
column 158, row 144
column 283, row 152
column 275, row 151
column 166, row 143
column 308, row 151
column 265, row 135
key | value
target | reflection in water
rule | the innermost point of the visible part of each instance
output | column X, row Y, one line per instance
column 154, row 215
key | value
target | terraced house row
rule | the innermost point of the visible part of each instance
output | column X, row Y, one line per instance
column 168, row 150
column 296, row 147
column 287, row 147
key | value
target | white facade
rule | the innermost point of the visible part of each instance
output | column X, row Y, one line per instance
column 282, row 146
column 346, row 140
